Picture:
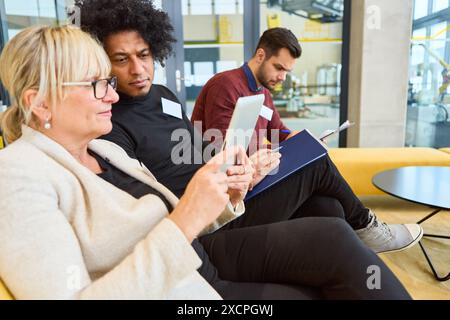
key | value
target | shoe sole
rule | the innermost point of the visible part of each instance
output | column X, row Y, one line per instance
column 412, row 244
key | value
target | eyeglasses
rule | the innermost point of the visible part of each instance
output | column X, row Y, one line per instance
column 100, row 86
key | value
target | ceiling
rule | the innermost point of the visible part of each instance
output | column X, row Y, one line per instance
column 324, row 11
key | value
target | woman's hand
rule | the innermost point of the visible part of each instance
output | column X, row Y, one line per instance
column 264, row 161
column 205, row 198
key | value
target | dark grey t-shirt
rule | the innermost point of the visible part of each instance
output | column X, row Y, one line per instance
column 144, row 131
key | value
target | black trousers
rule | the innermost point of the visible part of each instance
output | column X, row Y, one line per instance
column 286, row 199
column 294, row 244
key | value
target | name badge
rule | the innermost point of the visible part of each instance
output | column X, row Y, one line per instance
column 266, row 113
column 171, row 108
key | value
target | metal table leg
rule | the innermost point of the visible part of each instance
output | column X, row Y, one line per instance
column 447, row 277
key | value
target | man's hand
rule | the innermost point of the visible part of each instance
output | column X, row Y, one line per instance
column 264, row 161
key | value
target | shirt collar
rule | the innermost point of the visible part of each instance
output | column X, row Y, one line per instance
column 252, row 85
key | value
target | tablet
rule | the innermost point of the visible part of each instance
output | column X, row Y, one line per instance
column 243, row 123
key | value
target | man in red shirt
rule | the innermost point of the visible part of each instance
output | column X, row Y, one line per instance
column 277, row 52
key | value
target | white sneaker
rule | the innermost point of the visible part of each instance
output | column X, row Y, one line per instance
column 386, row 238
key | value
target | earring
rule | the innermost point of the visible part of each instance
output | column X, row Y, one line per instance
column 47, row 125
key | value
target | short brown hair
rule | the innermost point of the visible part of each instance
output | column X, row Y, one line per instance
column 273, row 40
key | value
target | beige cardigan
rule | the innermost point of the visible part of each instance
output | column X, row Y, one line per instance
column 67, row 234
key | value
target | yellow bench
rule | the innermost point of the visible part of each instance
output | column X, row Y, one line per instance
column 359, row 165
column 4, row 293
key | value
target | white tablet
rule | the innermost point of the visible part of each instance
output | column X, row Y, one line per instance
column 243, row 122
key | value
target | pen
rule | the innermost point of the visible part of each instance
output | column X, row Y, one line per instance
column 277, row 149
column 286, row 131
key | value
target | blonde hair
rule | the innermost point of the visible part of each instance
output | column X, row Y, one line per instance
column 42, row 58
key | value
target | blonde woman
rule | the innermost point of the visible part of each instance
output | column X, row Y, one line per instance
column 66, row 233
column 79, row 219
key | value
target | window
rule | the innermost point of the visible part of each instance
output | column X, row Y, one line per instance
column 19, row 15
column 201, row 7
column 420, row 9
column 310, row 97
column 22, row 14
column 213, row 42
column 41, row 8
column 428, row 121
column 439, row 5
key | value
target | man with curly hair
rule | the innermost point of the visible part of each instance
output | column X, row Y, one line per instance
column 135, row 35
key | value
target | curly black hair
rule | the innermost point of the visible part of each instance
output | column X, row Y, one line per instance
column 102, row 18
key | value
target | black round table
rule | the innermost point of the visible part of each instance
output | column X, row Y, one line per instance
column 424, row 185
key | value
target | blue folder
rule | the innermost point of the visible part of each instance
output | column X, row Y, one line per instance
column 297, row 152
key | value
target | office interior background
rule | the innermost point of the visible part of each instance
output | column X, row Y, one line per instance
column 382, row 64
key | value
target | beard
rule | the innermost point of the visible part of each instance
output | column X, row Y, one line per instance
column 263, row 79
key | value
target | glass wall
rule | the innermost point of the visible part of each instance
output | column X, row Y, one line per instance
column 17, row 15
column 22, row 14
column 310, row 96
column 213, row 41
column 428, row 120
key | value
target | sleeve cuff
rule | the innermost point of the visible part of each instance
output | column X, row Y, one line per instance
column 228, row 215
column 239, row 210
